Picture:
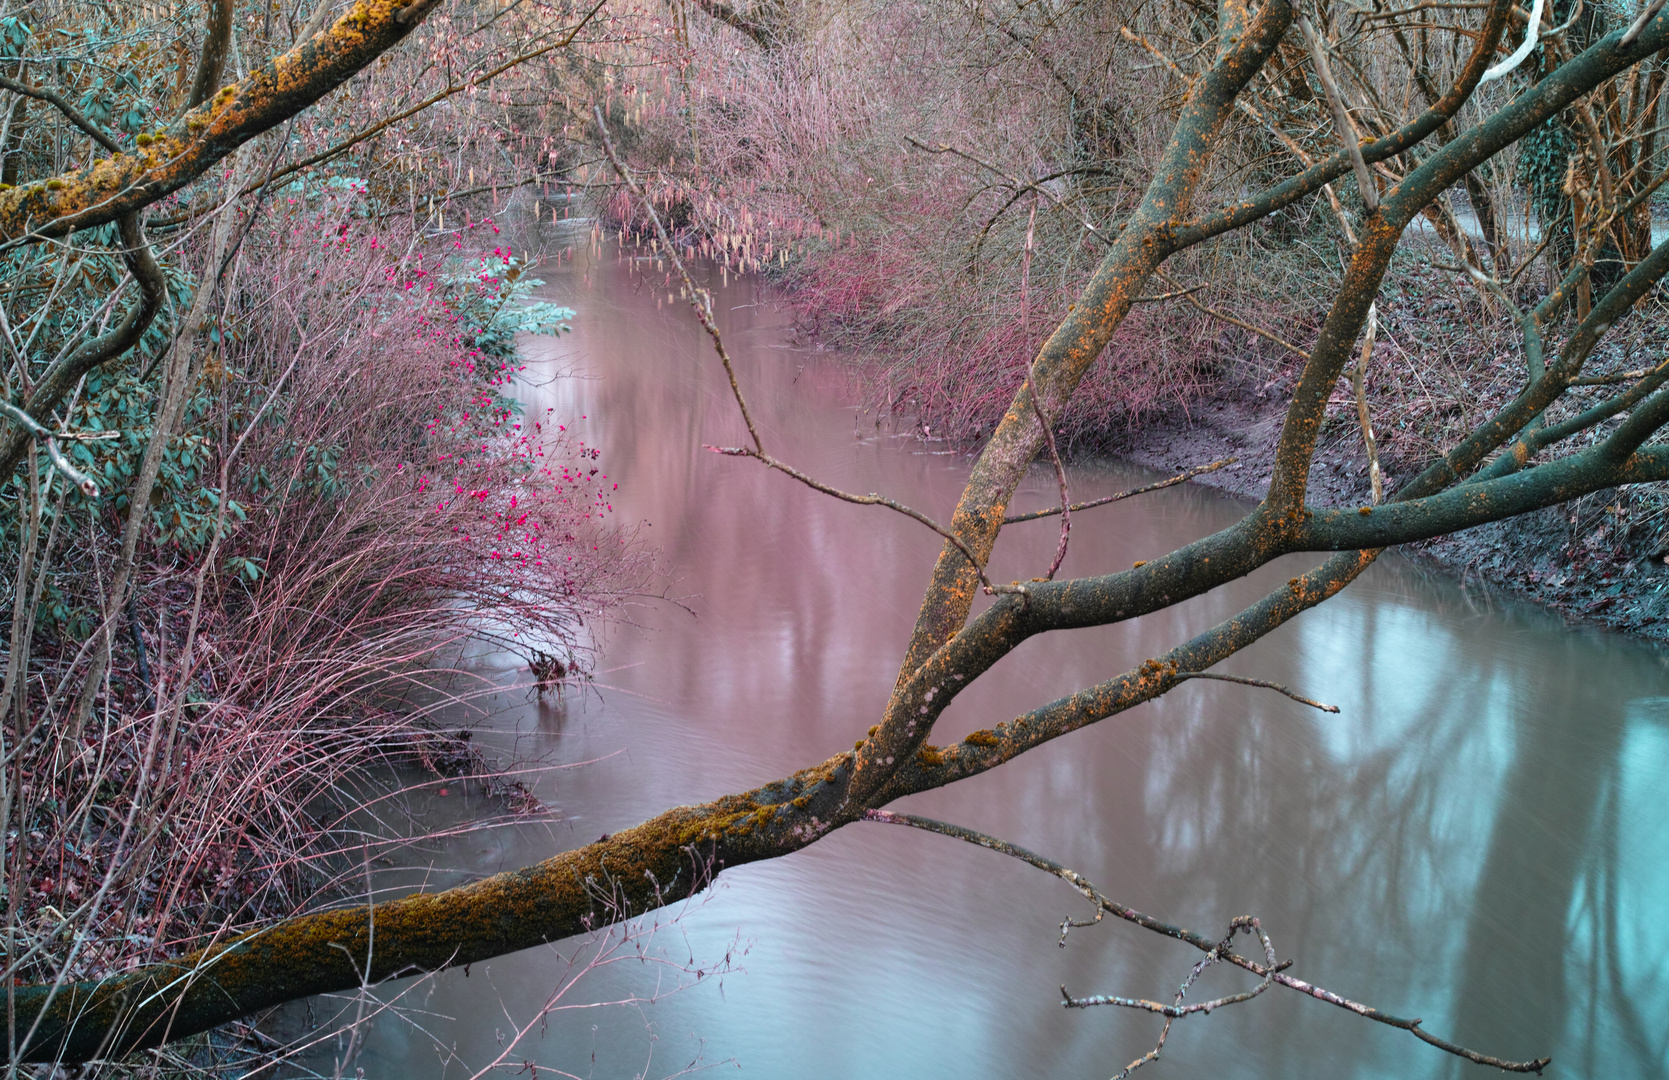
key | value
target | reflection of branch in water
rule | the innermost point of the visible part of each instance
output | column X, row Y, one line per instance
column 1269, row 970
column 702, row 304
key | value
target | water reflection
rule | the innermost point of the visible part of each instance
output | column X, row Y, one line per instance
column 1476, row 839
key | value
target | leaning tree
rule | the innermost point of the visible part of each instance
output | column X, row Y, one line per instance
column 1546, row 446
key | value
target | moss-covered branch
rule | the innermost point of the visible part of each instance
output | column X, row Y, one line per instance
column 121, row 184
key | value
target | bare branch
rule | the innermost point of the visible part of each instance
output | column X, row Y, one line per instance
column 1179, row 478
column 1269, row 970
column 1646, row 15
column 125, row 182
column 1223, row 316
column 1531, row 29
column 1341, row 116
column 702, row 304
column 1243, row 681
column 87, row 484
column 211, row 61
column 41, row 93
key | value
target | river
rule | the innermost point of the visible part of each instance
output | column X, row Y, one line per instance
column 1478, row 838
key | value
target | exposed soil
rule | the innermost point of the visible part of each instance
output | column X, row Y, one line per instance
column 1598, row 561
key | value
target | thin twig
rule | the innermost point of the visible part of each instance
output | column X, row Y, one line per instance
column 1187, row 294
column 1619, row 377
column 1179, row 478
column 1037, row 409
column 41, row 93
column 1525, row 47
column 1162, row 297
column 1341, row 116
column 1243, row 681
column 1060, row 477
column 1361, row 381
column 472, row 83
column 872, row 499
column 1174, row 1011
column 89, row 487
column 700, row 301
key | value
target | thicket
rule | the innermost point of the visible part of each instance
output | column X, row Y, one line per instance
column 931, row 184
column 314, row 483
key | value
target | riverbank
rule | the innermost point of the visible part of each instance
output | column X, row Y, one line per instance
column 1598, row 561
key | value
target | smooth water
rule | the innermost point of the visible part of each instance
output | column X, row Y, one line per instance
column 1478, row 839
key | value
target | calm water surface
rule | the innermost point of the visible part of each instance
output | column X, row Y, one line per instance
column 1479, row 838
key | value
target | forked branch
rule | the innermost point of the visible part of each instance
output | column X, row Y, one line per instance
column 1269, row 970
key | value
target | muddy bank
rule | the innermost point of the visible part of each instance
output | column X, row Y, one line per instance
column 1602, row 560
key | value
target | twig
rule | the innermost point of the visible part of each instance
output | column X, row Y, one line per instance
column 1512, row 278
column 1105, row 906
column 472, row 83
column 1341, row 116
column 1525, row 47
column 1241, row 923
column 42, row 94
column 1179, row 478
column 1424, row 5
column 702, row 303
column 1060, row 478
column 89, row 487
column 1162, row 297
column 1361, row 382
column 1619, row 377
column 1186, row 294
column 1142, row 42
column 1014, row 183
column 872, row 499
column 1243, row 681
column 1037, row 409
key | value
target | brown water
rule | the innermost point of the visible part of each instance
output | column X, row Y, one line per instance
column 1478, row 838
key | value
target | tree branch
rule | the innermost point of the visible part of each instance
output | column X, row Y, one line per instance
column 62, row 377
column 116, row 186
column 1179, row 478
column 41, row 93
column 211, row 61
column 1270, row 970
column 759, row 33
